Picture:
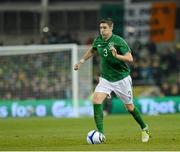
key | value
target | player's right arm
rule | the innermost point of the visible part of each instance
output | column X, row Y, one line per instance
column 88, row 54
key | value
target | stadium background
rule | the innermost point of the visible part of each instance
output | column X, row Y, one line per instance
column 151, row 29
column 36, row 88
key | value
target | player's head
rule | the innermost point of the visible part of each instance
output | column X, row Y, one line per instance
column 106, row 27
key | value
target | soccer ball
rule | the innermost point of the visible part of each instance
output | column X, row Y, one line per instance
column 95, row 137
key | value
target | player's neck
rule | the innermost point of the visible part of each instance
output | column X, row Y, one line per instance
column 107, row 37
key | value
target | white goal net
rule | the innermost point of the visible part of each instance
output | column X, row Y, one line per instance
column 41, row 72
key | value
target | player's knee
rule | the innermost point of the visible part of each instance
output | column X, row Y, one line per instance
column 99, row 97
column 130, row 107
column 97, row 100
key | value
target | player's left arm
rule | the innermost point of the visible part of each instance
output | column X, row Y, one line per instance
column 127, row 57
column 121, row 51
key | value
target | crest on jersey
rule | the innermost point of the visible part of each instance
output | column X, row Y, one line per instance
column 111, row 44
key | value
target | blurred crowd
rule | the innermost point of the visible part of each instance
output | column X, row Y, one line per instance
column 36, row 76
column 47, row 75
column 158, row 66
column 56, row 38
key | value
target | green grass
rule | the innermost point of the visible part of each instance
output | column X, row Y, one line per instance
column 122, row 133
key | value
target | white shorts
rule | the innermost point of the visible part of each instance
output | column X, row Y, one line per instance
column 122, row 88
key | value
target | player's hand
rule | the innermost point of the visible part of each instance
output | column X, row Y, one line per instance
column 77, row 66
column 114, row 51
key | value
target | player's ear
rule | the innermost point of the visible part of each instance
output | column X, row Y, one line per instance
column 112, row 26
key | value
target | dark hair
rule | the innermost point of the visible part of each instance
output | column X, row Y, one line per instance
column 107, row 21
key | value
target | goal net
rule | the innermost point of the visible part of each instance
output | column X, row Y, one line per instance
column 45, row 73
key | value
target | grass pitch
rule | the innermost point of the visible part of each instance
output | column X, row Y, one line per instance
column 122, row 133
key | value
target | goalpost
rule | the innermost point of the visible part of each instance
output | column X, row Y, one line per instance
column 45, row 71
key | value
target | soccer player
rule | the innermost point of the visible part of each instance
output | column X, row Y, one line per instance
column 115, row 74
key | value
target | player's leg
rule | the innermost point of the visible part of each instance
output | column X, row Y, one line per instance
column 98, row 99
column 137, row 116
column 124, row 92
column 103, row 89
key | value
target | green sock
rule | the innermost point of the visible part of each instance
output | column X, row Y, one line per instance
column 98, row 116
column 136, row 114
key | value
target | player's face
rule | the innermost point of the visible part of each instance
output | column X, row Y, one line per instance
column 105, row 30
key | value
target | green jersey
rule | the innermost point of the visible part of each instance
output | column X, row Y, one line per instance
column 112, row 69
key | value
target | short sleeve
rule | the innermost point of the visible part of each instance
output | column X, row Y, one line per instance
column 123, row 46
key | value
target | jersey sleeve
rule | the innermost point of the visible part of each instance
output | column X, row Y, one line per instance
column 123, row 46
